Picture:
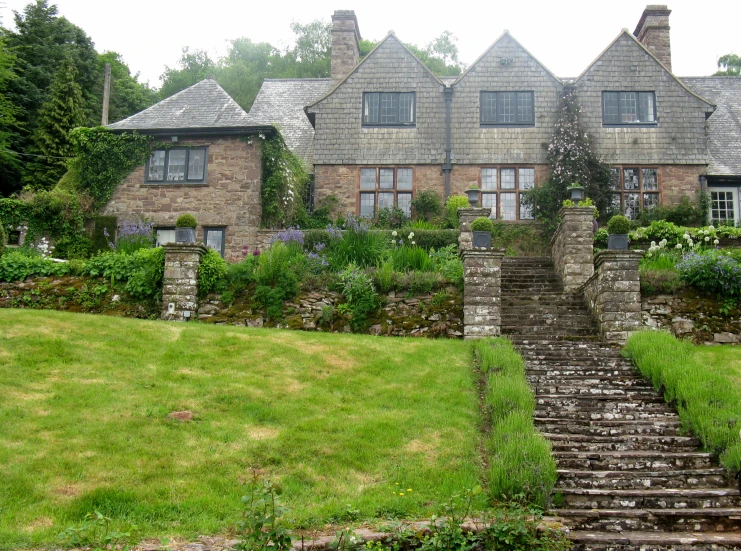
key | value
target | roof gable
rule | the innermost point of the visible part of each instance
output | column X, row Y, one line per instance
column 626, row 36
column 390, row 38
column 505, row 36
column 205, row 105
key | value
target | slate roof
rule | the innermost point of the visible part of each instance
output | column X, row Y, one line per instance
column 205, row 105
column 724, row 125
column 281, row 102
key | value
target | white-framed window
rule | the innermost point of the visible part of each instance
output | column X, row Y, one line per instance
column 163, row 236
column 177, row 165
column 502, row 191
column 385, row 187
column 724, row 206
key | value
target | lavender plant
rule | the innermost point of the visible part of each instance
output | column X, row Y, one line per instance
column 132, row 236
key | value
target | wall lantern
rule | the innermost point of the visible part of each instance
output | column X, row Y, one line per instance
column 577, row 192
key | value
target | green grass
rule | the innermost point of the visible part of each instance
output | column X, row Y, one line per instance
column 705, row 391
column 337, row 420
column 521, row 466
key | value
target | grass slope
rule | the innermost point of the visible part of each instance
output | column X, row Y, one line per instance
column 338, row 420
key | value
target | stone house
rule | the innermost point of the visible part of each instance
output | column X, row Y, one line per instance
column 384, row 128
column 209, row 165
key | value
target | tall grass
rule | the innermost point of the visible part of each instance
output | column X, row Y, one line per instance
column 708, row 403
column 521, row 466
column 357, row 245
column 408, row 258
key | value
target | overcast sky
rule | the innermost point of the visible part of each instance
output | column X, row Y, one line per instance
column 564, row 35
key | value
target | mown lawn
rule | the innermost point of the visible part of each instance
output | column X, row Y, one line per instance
column 337, row 420
column 725, row 360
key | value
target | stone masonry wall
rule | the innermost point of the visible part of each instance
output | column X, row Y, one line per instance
column 482, row 293
column 345, row 50
column 613, row 294
column 572, row 247
column 230, row 197
column 678, row 138
column 465, row 217
column 180, row 282
column 473, row 143
column 678, row 181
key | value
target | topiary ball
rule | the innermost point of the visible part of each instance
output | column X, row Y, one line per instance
column 618, row 225
column 186, row 221
column 482, row 224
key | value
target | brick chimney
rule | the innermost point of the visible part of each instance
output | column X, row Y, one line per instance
column 345, row 44
column 653, row 32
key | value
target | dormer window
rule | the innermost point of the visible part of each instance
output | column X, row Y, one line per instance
column 507, row 109
column 627, row 108
column 389, row 109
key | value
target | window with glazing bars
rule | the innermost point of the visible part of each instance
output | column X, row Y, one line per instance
column 634, row 189
column 177, row 165
column 502, row 191
column 389, row 109
column 628, row 108
column 508, row 108
column 385, row 188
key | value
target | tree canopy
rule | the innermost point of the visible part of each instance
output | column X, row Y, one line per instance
column 729, row 65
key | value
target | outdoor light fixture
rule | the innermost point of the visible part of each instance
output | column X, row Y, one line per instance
column 174, row 139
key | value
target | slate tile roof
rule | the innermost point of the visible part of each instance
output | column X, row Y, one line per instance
column 281, row 102
column 724, row 125
column 205, row 105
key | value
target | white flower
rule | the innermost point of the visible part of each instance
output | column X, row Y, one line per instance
column 707, row 238
column 394, row 234
column 653, row 243
column 411, row 234
column 711, row 227
column 679, row 246
column 686, row 236
column 414, row 243
column 716, row 242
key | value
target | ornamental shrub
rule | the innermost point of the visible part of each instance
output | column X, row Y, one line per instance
column 134, row 235
column 241, row 274
column 357, row 245
column 357, row 288
column 18, row 265
column 452, row 205
column 390, row 218
column 712, row 273
column 186, row 221
column 145, row 280
column 408, row 258
column 427, row 205
column 211, row 273
column 3, row 238
column 618, row 224
column 276, row 279
column 482, row 224
column 445, row 261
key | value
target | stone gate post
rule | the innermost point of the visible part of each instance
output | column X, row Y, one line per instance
column 482, row 293
column 180, row 283
column 572, row 247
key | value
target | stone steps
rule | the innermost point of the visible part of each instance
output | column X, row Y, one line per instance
column 629, row 479
column 625, row 480
column 608, row 428
column 654, row 541
column 656, row 498
column 588, row 443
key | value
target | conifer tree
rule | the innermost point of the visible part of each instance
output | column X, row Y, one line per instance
column 63, row 111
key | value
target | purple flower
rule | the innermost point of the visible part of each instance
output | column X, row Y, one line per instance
column 291, row 235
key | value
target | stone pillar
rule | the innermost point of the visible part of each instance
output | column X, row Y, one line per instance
column 613, row 294
column 482, row 290
column 653, row 32
column 345, row 44
column 572, row 247
column 180, row 284
column 465, row 217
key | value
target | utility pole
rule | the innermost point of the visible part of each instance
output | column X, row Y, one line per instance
column 106, row 94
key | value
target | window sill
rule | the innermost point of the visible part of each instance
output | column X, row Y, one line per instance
column 632, row 125
column 495, row 125
column 412, row 126
column 174, row 184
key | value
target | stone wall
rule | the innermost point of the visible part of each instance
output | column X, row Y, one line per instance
column 613, row 294
column 230, row 198
column 689, row 314
column 482, row 293
column 572, row 247
column 677, row 181
column 180, row 282
column 465, row 217
column 400, row 316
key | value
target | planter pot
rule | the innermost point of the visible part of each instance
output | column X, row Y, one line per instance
column 577, row 193
column 617, row 242
column 185, row 235
column 473, row 197
column 482, row 239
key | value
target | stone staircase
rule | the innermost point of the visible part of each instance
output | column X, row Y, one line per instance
column 628, row 478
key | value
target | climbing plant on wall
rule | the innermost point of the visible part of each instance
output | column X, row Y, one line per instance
column 284, row 180
column 572, row 159
column 103, row 159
